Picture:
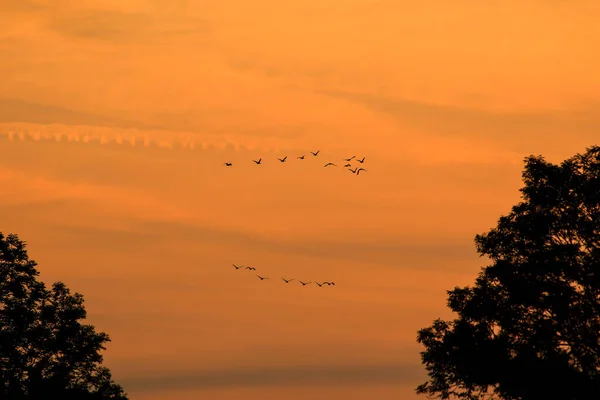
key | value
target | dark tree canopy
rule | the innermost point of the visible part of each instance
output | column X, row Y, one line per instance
column 45, row 352
column 529, row 328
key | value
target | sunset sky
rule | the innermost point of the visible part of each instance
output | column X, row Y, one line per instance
column 443, row 98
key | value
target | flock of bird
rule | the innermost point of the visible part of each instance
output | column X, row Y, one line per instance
column 262, row 278
column 356, row 169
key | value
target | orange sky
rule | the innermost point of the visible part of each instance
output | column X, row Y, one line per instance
column 443, row 98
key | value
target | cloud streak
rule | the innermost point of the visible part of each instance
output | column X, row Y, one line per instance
column 126, row 135
column 27, row 114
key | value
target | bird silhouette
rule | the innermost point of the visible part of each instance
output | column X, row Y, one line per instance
column 236, row 267
column 251, row 268
column 331, row 164
column 347, row 165
column 353, row 170
column 304, row 283
column 360, row 169
column 316, row 153
column 227, row 164
column 262, row 278
column 349, row 159
column 301, row 157
column 319, row 284
column 361, row 161
column 282, row 159
column 257, row 162
column 329, row 283
column 287, row 280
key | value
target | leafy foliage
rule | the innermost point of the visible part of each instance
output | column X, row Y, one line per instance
column 529, row 328
column 45, row 352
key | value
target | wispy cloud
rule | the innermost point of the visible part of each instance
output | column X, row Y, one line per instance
column 20, row 207
column 15, row 110
column 25, row 6
column 48, row 137
column 520, row 128
column 254, row 63
column 328, row 375
column 123, row 26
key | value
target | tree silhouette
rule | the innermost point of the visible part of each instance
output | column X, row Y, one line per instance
column 45, row 352
column 529, row 328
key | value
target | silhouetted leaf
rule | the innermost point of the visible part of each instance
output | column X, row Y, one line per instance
column 45, row 351
column 529, row 328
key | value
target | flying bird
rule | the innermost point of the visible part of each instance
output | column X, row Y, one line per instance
column 353, row 170
column 227, row 164
column 314, row 154
column 349, row 159
column 361, row 161
column 236, row 267
column 347, row 165
column 330, row 163
column 360, row 169
column 329, row 283
column 257, row 162
column 282, row 159
column 261, row 278
column 251, row 268
column 301, row 158
column 304, row 283
column 320, row 284
column 287, row 280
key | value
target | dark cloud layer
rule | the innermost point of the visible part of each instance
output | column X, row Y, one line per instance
column 119, row 26
column 20, row 6
column 332, row 375
column 14, row 110
column 522, row 129
column 399, row 251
